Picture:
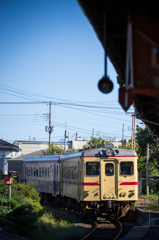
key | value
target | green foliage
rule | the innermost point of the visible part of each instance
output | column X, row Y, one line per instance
column 142, row 138
column 54, row 148
column 73, row 150
column 125, row 147
column 96, row 141
column 149, row 197
column 24, row 206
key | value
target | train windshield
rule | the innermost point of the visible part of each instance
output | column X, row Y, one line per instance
column 126, row 168
column 92, row 168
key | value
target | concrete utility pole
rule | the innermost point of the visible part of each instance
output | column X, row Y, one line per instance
column 50, row 128
column 65, row 136
column 147, row 170
column 93, row 133
column 133, row 130
column 76, row 136
column 50, row 125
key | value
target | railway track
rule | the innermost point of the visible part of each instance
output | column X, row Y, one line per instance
column 104, row 228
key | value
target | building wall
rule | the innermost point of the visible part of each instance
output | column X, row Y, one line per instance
column 4, row 166
column 28, row 147
column 7, row 154
column 76, row 144
column 31, row 146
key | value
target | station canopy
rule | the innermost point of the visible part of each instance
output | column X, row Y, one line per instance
column 132, row 33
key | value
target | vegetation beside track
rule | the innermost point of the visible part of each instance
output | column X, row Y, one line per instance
column 150, row 197
column 58, row 224
column 24, row 215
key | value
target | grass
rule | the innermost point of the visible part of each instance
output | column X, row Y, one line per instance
column 147, row 205
column 59, row 224
column 151, row 207
column 148, row 197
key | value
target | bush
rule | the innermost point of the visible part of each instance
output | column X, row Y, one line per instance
column 24, row 206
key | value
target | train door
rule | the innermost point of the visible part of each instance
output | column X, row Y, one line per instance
column 108, row 179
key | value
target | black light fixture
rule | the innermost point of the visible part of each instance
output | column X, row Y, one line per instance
column 105, row 85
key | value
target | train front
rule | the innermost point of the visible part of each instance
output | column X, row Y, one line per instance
column 110, row 181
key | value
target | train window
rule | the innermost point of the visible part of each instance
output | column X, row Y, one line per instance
column 34, row 172
column 126, row 168
column 37, row 172
column 72, row 173
column 46, row 172
column 43, row 172
column 40, row 172
column 76, row 170
column 92, row 168
column 51, row 170
column 109, row 169
column 29, row 172
column 54, row 169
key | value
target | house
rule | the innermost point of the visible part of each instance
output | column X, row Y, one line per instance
column 7, row 151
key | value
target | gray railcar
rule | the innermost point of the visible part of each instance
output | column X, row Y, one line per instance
column 44, row 173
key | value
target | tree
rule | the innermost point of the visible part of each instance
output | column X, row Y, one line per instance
column 53, row 148
column 96, row 141
column 142, row 138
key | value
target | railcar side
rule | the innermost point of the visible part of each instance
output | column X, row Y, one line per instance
column 43, row 173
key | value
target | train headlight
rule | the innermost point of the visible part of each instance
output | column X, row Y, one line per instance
column 109, row 152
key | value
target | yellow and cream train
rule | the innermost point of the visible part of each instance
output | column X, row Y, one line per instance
column 96, row 180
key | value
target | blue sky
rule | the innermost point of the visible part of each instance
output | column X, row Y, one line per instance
column 50, row 52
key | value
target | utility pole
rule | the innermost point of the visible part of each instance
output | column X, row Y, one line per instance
column 68, row 136
column 147, row 170
column 65, row 136
column 50, row 124
column 123, row 135
column 133, row 130
column 93, row 133
column 49, row 128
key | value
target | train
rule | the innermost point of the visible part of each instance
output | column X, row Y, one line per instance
column 92, row 181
